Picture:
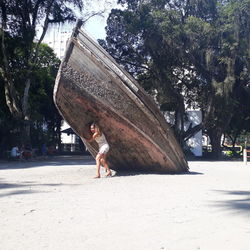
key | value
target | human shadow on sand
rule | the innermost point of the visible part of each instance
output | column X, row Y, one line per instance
column 240, row 202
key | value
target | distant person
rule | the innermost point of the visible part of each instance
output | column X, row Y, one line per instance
column 27, row 152
column 15, row 152
column 101, row 158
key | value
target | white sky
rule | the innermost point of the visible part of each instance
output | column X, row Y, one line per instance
column 95, row 26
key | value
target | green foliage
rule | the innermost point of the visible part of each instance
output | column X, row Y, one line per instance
column 28, row 69
column 45, row 117
column 187, row 52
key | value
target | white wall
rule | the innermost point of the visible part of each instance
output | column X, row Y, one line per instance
column 195, row 142
column 67, row 139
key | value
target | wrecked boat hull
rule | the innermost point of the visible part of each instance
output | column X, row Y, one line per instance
column 91, row 86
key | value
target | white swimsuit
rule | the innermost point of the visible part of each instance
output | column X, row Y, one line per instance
column 103, row 144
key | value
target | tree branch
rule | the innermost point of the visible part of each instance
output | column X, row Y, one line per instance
column 45, row 28
column 192, row 131
column 92, row 14
column 34, row 16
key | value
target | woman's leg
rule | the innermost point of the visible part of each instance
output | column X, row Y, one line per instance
column 105, row 164
column 98, row 165
column 102, row 164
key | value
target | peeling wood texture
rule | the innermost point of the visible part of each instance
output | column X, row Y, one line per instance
column 91, row 86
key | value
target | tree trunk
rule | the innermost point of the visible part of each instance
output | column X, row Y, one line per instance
column 215, row 137
column 25, row 101
column 26, row 114
column 11, row 98
column 25, row 132
column 9, row 89
column 58, row 131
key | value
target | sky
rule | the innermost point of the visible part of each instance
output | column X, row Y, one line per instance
column 95, row 26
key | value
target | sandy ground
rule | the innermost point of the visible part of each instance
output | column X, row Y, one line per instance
column 55, row 204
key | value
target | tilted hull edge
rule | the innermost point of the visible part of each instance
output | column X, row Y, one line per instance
column 91, row 86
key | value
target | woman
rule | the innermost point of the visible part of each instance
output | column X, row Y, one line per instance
column 101, row 157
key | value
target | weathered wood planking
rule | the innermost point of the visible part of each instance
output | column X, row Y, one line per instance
column 91, row 86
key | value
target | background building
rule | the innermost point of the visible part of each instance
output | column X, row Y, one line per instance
column 195, row 142
column 57, row 37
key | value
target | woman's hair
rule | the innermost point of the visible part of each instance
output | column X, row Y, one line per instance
column 97, row 128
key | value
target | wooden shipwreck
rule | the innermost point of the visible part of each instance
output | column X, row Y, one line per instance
column 91, row 86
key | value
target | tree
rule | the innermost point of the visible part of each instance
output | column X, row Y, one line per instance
column 222, row 64
column 46, row 121
column 188, row 53
column 19, row 20
column 240, row 123
column 45, row 116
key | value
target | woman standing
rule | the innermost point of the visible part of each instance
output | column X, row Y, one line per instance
column 101, row 157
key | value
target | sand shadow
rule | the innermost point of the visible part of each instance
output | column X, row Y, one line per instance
column 241, row 202
column 124, row 173
column 10, row 189
column 49, row 161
